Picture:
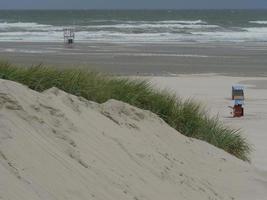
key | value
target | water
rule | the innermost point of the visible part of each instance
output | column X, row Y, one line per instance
column 163, row 26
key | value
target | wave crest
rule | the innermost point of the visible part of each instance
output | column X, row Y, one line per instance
column 258, row 22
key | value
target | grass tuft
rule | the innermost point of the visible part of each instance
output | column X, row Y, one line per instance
column 188, row 117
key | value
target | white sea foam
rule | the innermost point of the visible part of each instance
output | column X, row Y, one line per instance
column 248, row 34
column 153, row 22
column 144, row 25
column 258, row 22
column 106, row 36
column 4, row 26
column 31, row 36
column 129, row 37
column 256, row 29
column 22, row 24
column 151, row 25
column 183, row 22
column 149, row 32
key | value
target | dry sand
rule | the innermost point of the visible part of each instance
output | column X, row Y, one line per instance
column 57, row 146
column 214, row 92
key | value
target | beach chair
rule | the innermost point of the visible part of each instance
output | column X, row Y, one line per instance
column 238, row 92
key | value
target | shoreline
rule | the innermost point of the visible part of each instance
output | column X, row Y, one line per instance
column 246, row 59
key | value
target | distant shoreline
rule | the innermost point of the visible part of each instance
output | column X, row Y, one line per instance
column 231, row 59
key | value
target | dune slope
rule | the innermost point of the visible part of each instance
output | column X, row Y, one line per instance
column 57, row 146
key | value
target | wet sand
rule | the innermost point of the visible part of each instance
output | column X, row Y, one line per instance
column 235, row 59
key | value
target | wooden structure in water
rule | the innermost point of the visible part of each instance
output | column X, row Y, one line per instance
column 69, row 36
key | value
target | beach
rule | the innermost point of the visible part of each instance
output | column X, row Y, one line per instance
column 232, row 59
column 129, row 132
column 204, row 72
column 214, row 93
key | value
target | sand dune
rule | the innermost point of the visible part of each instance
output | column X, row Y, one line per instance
column 54, row 145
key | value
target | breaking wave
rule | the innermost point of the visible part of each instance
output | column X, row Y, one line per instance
column 134, row 31
column 258, row 22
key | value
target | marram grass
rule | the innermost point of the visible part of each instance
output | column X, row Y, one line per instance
column 188, row 117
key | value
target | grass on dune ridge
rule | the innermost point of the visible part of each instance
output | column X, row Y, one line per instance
column 188, row 117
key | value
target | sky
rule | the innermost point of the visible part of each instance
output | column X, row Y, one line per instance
column 133, row 4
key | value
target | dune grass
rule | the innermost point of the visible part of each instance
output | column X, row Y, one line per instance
column 187, row 117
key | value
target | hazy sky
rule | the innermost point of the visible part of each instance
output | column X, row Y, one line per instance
column 131, row 4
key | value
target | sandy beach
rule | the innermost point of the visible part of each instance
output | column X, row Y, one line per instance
column 234, row 59
column 214, row 93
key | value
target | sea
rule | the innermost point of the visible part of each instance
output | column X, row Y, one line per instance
column 135, row 26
